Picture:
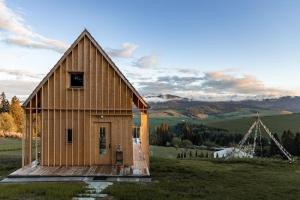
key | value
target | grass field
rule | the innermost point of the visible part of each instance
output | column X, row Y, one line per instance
column 172, row 152
column 237, row 124
column 213, row 180
column 174, row 179
column 276, row 123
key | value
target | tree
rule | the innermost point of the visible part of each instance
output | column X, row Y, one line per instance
column 297, row 144
column 17, row 113
column 288, row 139
column 4, row 103
column 274, row 150
column 163, row 135
column 6, row 123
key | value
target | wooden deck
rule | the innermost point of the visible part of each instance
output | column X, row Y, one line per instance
column 139, row 168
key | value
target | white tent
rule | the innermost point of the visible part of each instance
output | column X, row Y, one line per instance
column 235, row 152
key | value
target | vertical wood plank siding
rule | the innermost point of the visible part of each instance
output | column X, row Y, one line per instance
column 104, row 98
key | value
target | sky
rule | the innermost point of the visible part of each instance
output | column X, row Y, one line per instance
column 202, row 49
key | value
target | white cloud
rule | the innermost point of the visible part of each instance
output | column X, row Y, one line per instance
column 20, row 74
column 126, row 51
column 20, row 88
column 217, row 85
column 224, row 82
column 149, row 61
column 17, row 32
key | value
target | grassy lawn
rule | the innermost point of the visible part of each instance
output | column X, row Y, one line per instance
column 215, row 179
column 175, row 179
column 39, row 191
column 10, row 160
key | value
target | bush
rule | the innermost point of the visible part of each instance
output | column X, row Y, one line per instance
column 186, row 144
column 176, row 142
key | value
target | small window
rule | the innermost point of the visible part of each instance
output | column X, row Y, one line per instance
column 102, row 140
column 69, row 136
column 76, row 79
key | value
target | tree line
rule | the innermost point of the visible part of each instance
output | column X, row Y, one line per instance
column 11, row 117
column 193, row 134
column 189, row 135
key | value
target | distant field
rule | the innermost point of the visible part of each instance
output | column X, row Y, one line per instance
column 218, row 119
column 171, row 152
column 276, row 123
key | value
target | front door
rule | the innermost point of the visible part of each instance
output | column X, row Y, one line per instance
column 103, row 143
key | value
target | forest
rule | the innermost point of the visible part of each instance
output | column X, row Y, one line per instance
column 188, row 135
column 11, row 117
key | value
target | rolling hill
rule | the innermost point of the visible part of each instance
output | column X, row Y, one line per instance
column 276, row 123
column 236, row 116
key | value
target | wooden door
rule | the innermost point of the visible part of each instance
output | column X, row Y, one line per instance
column 103, row 143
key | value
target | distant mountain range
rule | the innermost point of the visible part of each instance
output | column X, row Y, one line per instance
column 198, row 109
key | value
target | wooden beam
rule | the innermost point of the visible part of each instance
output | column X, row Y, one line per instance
column 66, row 114
column 54, row 128
column 114, row 94
column 78, row 114
column 60, row 105
column 90, row 106
column 102, row 94
column 30, row 131
column 84, row 85
column 108, row 86
column 23, row 139
column 72, row 106
column 42, row 125
column 36, row 128
column 48, row 126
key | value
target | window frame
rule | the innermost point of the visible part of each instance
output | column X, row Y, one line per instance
column 69, row 131
column 102, row 132
column 70, row 78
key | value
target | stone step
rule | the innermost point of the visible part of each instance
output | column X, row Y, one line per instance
column 83, row 198
column 92, row 195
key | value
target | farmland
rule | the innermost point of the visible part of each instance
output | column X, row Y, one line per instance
column 276, row 123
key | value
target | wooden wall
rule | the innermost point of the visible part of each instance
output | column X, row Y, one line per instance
column 61, row 107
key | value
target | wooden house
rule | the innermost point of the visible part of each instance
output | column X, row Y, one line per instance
column 82, row 111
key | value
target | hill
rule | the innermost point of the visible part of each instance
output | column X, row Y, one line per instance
column 276, row 123
column 220, row 109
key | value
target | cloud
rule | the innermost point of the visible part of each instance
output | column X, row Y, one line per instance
column 216, row 85
column 20, row 73
column 21, row 88
column 18, row 33
column 126, row 51
column 223, row 82
column 149, row 61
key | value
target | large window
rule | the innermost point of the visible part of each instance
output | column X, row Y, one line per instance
column 102, row 140
column 76, row 79
column 69, row 136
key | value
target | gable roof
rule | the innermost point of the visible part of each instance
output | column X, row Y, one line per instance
column 99, row 48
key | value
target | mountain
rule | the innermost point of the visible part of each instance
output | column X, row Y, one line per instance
column 203, row 109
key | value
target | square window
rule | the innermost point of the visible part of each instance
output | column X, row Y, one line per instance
column 76, row 79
